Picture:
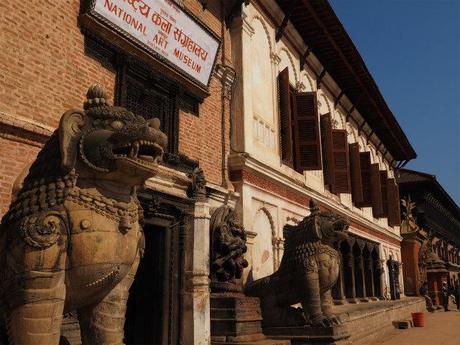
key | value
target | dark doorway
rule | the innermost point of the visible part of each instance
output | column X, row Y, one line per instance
column 144, row 316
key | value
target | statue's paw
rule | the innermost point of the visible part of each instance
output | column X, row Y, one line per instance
column 335, row 320
column 326, row 321
column 320, row 321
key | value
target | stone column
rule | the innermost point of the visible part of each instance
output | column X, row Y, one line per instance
column 350, row 268
column 360, row 278
column 369, row 266
column 379, row 279
column 196, row 317
column 339, row 288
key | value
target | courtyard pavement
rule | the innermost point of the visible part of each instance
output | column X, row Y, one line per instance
column 441, row 328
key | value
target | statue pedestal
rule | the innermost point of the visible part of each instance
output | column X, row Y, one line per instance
column 307, row 335
column 237, row 320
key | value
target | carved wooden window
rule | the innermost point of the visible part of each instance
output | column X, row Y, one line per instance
column 365, row 162
column 341, row 176
column 355, row 172
column 384, row 189
column 328, row 155
column 285, row 97
column 394, row 211
column 336, row 166
column 306, row 133
column 299, row 127
column 150, row 97
column 376, row 191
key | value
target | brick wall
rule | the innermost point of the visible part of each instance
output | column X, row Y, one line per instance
column 45, row 71
column 14, row 156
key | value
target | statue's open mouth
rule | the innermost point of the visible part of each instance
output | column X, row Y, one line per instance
column 341, row 228
column 141, row 151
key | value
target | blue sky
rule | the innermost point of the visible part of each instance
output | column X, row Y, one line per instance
column 412, row 49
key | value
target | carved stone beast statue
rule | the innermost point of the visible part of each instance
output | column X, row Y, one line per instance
column 71, row 238
column 308, row 270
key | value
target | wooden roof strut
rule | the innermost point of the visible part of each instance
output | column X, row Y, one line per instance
column 337, row 100
column 320, row 78
column 280, row 29
column 236, row 7
column 304, row 58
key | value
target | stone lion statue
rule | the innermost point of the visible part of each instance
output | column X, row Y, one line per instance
column 71, row 238
column 308, row 270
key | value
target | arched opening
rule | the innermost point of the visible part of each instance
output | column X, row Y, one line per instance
column 262, row 252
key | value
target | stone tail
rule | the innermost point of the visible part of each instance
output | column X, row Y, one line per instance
column 256, row 288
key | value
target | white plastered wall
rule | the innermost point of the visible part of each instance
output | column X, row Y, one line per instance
column 264, row 214
column 262, row 60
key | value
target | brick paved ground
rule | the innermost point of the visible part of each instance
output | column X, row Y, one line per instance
column 441, row 328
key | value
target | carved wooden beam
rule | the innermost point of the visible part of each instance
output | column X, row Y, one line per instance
column 280, row 29
column 352, row 109
column 385, row 152
column 369, row 136
column 234, row 11
column 404, row 162
column 304, row 58
column 337, row 100
column 361, row 127
column 320, row 78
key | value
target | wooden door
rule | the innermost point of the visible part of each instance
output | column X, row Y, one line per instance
column 153, row 314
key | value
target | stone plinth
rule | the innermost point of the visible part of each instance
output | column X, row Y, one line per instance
column 307, row 335
column 410, row 248
column 371, row 322
column 237, row 320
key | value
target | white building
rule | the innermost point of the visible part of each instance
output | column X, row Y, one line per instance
column 310, row 122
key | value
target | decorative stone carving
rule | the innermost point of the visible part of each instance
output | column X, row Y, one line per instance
column 409, row 223
column 228, row 245
column 71, row 238
column 308, row 270
column 235, row 318
column 197, row 189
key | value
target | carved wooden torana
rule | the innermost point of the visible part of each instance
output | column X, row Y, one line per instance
column 308, row 271
column 71, row 238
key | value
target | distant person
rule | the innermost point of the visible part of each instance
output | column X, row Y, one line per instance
column 428, row 301
column 445, row 296
column 457, row 294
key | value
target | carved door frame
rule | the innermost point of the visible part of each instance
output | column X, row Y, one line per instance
column 170, row 212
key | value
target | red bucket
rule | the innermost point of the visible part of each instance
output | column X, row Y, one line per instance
column 418, row 319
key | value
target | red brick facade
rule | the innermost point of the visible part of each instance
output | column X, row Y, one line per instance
column 46, row 71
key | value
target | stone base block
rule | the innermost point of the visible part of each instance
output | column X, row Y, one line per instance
column 369, row 323
column 241, row 341
column 402, row 324
column 237, row 320
column 309, row 335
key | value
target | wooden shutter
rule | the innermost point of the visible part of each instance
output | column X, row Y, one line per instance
column 376, row 191
column 326, row 147
column 394, row 210
column 384, row 189
column 341, row 177
column 285, row 117
column 355, row 173
column 397, row 204
column 306, row 133
column 365, row 162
